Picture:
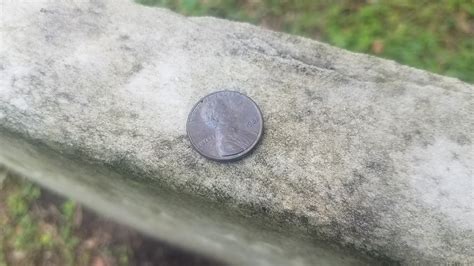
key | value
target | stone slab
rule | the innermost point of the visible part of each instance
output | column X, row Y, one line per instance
column 370, row 157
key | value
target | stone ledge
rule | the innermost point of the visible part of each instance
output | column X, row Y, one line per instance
column 358, row 151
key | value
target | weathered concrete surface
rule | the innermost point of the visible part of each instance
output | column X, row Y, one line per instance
column 357, row 151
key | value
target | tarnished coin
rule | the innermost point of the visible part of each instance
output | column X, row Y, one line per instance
column 224, row 125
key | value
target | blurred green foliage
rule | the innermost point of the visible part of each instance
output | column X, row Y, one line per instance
column 39, row 228
column 23, row 233
column 25, row 229
column 434, row 35
column 68, row 210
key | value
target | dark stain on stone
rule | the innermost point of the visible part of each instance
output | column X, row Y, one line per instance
column 355, row 182
column 181, row 138
column 328, row 186
column 380, row 79
column 137, row 68
column 46, row 11
column 190, row 162
column 455, row 156
column 335, row 232
column 375, row 166
column 425, row 143
column 77, row 11
column 65, row 95
column 124, row 37
column 264, row 209
column 303, row 220
column 398, row 91
column 233, row 51
column 166, row 145
column 462, row 140
column 329, row 195
column 13, row 81
column 219, row 195
column 364, row 220
column 125, row 47
column 306, row 64
column 409, row 136
column 260, row 159
column 313, row 96
column 122, row 164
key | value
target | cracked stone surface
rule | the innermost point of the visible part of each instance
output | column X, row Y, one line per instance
column 362, row 159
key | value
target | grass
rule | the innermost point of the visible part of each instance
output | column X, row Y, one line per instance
column 26, row 235
column 38, row 227
column 44, row 230
column 433, row 35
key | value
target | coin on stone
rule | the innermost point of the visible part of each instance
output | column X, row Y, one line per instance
column 225, row 125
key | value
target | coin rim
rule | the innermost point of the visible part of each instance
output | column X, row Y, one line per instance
column 236, row 156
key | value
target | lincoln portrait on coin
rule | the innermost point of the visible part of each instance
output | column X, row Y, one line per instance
column 224, row 125
column 231, row 135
